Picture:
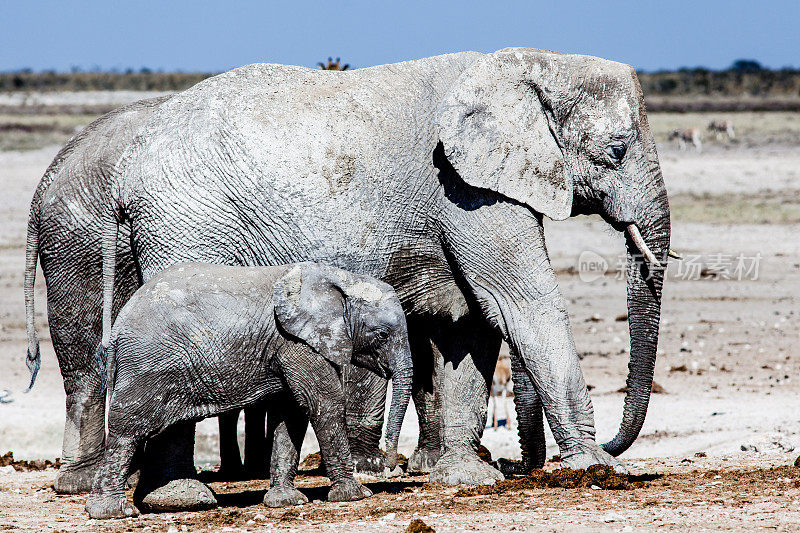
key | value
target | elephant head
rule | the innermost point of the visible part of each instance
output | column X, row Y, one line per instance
column 567, row 135
column 350, row 318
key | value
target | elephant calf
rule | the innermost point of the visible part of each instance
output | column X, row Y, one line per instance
column 199, row 340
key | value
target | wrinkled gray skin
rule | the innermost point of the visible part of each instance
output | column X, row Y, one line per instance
column 63, row 234
column 434, row 176
column 199, row 340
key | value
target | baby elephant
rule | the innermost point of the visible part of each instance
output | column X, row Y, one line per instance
column 199, row 340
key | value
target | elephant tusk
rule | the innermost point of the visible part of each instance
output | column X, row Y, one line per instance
column 675, row 255
column 637, row 239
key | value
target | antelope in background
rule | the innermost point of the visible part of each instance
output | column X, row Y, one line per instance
column 720, row 127
column 502, row 388
column 688, row 135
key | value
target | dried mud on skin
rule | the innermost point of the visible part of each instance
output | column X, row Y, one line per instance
column 27, row 466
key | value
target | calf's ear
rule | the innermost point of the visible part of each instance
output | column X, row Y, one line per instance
column 311, row 308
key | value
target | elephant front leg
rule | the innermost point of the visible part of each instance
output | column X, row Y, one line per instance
column 287, row 426
column 365, row 397
column 470, row 352
column 530, row 424
column 517, row 292
column 316, row 387
column 552, row 365
column 168, row 476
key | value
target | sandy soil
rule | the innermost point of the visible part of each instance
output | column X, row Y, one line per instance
column 728, row 364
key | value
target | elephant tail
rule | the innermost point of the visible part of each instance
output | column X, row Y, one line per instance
column 34, row 357
column 110, row 229
column 105, row 357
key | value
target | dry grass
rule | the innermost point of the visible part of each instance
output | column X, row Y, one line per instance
column 751, row 128
column 764, row 207
column 29, row 132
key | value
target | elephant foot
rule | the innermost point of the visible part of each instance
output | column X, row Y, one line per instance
column 513, row 468
column 348, row 490
column 371, row 462
column 423, row 460
column 180, row 495
column 583, row 458
column 284, row 497
column 75, row 480
column 103, row 506
column 464, row 468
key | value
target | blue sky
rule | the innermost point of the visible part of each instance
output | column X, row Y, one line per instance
column 216, row 36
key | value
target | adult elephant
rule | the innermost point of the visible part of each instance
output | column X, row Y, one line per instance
column 64, row 235
column 433, row 175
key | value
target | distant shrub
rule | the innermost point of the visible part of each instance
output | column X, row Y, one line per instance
column 76, row 80
column 746, row 65
column 745, row 77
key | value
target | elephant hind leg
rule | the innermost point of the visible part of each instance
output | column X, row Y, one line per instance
column 257, row 447
column 530, row 424
column 84, row 428
column 230, row 461
column 427, row 396
column 288, row 429
column 107, row 499
column 168, row 477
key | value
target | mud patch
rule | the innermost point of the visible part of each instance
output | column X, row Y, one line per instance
column 483, row 454
column 600, row 476
column 418, row 526
column 27, row 466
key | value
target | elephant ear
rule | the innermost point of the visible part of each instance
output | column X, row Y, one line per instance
column 310, row 307
column 496, row 132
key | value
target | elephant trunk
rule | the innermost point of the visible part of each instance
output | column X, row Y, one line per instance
column 402, row 376
column 645, row 280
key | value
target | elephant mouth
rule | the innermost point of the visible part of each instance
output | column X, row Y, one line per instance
column 371, row 362
column 633, row 231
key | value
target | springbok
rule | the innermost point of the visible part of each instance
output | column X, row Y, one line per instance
column 688, row 135
column 720, row 127
column 502, row 388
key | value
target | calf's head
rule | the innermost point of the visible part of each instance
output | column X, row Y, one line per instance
column 350, row 319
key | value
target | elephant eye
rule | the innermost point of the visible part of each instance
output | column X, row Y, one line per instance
column 616, row 151
column 382, row 334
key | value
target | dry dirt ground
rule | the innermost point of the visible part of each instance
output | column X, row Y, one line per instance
column 728, row 366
